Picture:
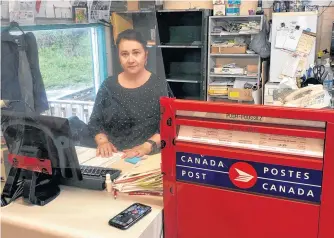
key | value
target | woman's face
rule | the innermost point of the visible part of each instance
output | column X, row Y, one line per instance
column 132, row 56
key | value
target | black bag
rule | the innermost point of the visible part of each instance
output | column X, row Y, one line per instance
column 260, row 43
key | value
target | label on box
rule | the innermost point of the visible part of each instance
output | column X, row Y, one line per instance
column 240, row 94
column 218, row 2
column 234, row 94
column 232, row 11
column 237, row 2
column 239, row 71
column 250, row 177
column 218, row 10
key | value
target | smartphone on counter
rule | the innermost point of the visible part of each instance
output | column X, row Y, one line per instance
column 130, row 216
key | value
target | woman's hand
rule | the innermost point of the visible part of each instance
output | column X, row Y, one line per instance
column 138, row 151
column 105, row 149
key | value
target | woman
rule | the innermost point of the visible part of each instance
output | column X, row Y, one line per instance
column 126, row 113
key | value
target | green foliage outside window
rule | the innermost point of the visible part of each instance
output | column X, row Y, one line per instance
column 65, row 58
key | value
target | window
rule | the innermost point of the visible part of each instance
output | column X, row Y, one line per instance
column 65, row 57
column 70, row 66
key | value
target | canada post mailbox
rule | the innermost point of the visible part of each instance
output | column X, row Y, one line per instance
column 240, row 171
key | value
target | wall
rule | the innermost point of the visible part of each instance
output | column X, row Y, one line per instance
column 325, row 27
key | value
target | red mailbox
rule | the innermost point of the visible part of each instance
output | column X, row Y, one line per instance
column 241, row 171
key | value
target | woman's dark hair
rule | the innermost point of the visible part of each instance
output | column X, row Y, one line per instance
column 131, row 35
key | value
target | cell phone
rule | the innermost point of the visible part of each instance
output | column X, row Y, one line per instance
column 130, row 216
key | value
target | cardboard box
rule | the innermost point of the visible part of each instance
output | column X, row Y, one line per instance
column 218, row 2
column 218, row 90
column 232, row 10
column 218, row 10
column 228, row 50
column 233, row 50
column 240, row 94
column 246, row 6
column 215, row 50
column 133, row 5
column 241, row 62
column 269, row 89
column 252, row 68
column 236, row 2
column 120, row 23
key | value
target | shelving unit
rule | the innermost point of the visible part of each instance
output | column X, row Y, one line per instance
column 241, row 60
column 183, row 40
column 179, row 54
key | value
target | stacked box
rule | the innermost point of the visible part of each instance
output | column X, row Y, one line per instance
column 233, row 8
column 218, row 7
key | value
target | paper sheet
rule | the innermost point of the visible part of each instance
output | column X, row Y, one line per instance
column 87, row 156
column 98, row 10
column 254, row 141
column 292, row 40
column 281, row 36
column 302, row 66
column 306, row 42
column 23, row 12
column 290, row 67
column 4, row 9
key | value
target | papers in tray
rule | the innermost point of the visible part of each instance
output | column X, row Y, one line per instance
column 145, row 179
column 255, row 141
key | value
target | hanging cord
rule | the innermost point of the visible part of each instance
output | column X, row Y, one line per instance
column 18, row 193
column 329, row 5
column 20, row 101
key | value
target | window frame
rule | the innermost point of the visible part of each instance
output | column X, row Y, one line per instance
column 98, row 41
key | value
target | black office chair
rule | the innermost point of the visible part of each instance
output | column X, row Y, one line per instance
column 80, row 133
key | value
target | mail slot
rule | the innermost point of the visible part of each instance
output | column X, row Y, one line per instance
column 241, row 171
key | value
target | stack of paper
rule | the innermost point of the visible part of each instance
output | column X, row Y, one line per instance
column 145, row 179
column 87, row 157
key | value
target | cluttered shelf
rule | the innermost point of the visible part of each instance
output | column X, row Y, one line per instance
column 233, row 66
column 227, row 25
column 239, row 89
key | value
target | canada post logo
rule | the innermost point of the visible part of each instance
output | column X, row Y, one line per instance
column 242, row 175
column 274, row 180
